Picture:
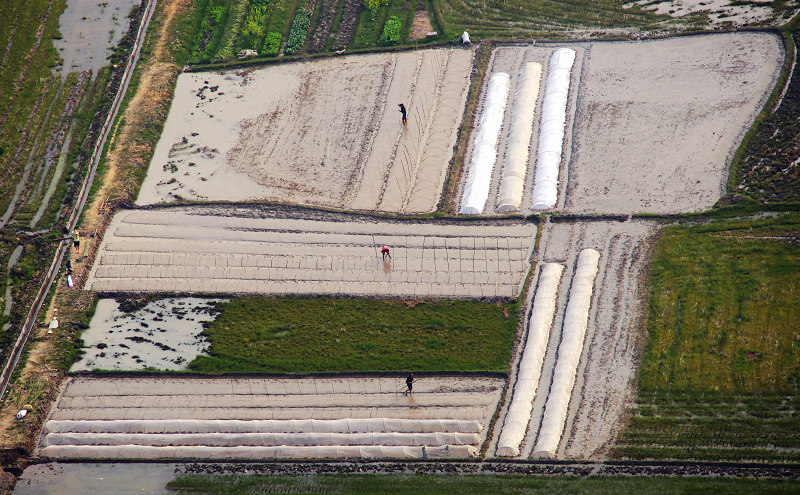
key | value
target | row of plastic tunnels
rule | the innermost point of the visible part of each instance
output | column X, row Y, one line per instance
column 551, row 137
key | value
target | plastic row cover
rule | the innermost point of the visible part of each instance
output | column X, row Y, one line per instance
column 261, row 439
column 351, row 425
column 551, row 129
column 247, row 453
column 484, row 154
column 509, row 197
column 569, row 354
column 530, row 367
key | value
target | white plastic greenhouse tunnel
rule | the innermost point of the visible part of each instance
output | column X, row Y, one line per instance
column 551, row 129
column 509, row 198
column 484, row 154
column 576, row 320
column 530, row 366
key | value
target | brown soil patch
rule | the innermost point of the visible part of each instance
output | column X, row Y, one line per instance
column 421, row 25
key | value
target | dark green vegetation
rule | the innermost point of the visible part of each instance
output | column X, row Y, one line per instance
column 719, row 377
column 768, row 168
column 362, row 24
column 307, row 334
column 475, row 484
column 48, row 124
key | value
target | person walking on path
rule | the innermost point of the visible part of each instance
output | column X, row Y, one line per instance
column 385, row 253
column 409, row 383
column 403, row 112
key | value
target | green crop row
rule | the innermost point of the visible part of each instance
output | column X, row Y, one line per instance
column 392, row 31
column 272, row 43
column 230, row 35
column 210, row 31
column 297, row 33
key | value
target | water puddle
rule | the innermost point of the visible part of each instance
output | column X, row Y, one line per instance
column 89, row 31
column 164, row 335
column 95, row 478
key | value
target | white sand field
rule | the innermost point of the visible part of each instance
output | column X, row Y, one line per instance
column 325, row 132
column 658, row 121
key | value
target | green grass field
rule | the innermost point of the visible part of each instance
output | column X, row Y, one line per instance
column 719, row 376
column 402, row 484
column 307, row 334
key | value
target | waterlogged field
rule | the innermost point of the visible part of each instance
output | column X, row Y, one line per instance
column 720, row 371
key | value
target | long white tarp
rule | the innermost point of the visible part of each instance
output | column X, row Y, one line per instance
column 530, row 366
column 551, row 129
column 515, row 169
column 484, row 154
column 576, row 320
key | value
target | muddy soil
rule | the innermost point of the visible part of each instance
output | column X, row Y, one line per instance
column 163, row 335
column 89, row 30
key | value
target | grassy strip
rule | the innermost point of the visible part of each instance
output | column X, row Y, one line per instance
column 720, row 371
column 308, row 334
column 416, row 484
column 230, row 35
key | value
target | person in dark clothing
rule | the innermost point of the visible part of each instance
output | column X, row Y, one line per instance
column 403, row 112
column 409, row 383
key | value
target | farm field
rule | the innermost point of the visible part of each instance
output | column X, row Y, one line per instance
column 704, row 90
column 277, row 331
column 257, row 418
column 298, row 335
column 278, row 28
column 608, row 360
column 477, row 484
column 331, row 135
column 229, row 250
column 53, row 102
column 719, row 373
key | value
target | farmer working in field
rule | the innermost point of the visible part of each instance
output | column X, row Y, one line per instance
column 409, row 383
column 403, row 112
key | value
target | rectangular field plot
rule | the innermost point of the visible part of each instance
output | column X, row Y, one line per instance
column 658, row 121
column 212, row 250
column 606, row 370
column 327, row 132
column 262, row 418
column 650, row 126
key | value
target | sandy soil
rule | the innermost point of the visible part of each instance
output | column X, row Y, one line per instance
column 326, row 132
column 657, row 121
column 718, row 11
column 241, row 413
column 89, row 29
column 225, row 250
column 163, row 335
column 630, row 103
column 605, row 383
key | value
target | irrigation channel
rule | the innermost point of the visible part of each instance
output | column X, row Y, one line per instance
column 83, row 195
